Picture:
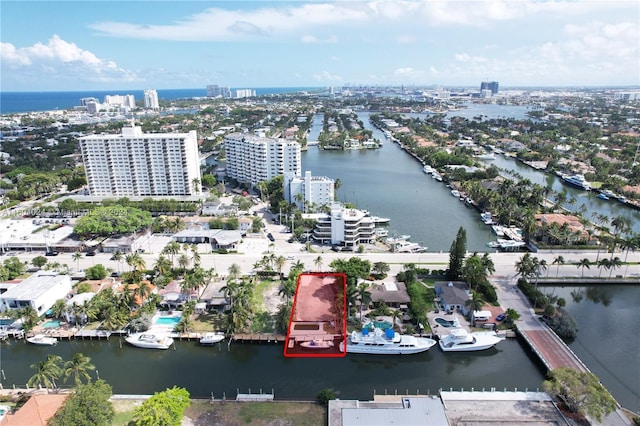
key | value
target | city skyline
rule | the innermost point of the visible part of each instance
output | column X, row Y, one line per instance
column 143, row 44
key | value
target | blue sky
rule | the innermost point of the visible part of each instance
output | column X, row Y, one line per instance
column 96, row 45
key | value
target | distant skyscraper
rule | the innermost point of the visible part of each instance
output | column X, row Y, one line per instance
column 244, row 93
column 489, row 85
column 133, row 163
column 151, row 99
column 127, row 101
column 214, row 91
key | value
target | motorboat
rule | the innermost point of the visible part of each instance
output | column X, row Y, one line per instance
column 317, row 344
column 437, row 176
column 578, row 181
column 386, row 342
column 428, row 169
column 486, row 156
column 460, row 340
column 211, row 338
column 407, row 247
column 603, row 196
column 149, row 340
column 455, row 193
column 42, row 340
column 486, row 218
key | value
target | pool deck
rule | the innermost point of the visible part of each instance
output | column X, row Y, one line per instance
column 438, row 330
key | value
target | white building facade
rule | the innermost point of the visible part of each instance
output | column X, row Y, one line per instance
column 127, row 101
column 151, row 99
column 254, row 159
column 308, row 190
column 40, row 291
column 133, row 163
column 345, row 227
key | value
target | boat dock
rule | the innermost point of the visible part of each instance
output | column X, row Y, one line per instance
column 259, row 337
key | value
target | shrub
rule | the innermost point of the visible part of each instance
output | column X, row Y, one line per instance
column 326, row 395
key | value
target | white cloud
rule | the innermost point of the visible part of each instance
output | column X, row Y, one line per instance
column 59, row 58
column 326, row 76
column 405, row 39
column 215, row 24
column 313, row 39
column 408, row 74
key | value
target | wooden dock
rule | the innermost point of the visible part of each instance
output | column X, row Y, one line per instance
column 259, row 337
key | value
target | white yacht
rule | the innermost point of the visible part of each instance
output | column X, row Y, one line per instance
column 211, row 338
column 42, row 340
column 459, row 340
column 428, row 169
column 578, row 181
column 148, row 340
column 386, row 342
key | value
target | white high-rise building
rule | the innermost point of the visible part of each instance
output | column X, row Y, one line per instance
column 314, row 190
column 133, row 163
column 151, row 99
column 253, row 159
column 127, row 101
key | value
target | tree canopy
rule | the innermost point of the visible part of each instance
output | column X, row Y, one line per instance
column 163, row 408
column 581, row 392
column 89, row 405
column 456, row 255
column 106, row 221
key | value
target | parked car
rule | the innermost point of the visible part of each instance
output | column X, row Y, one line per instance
column 51, row 253
column 501, row 317
column 270, row 237
column 91, row 253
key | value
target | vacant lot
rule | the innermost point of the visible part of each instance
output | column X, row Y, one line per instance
column 231, row 413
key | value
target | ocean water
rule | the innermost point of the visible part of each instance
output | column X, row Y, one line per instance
column 12, row 102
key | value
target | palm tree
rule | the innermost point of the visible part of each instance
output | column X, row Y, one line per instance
column 542, row 265
column 475, row 304
column 584, row 263
column 488, row 264
column 117, row 257
column 318, row 263
column 59, row 308
column 76, row 257
column 46, row 372
column 614, row 263
column 136, row 262
column 196, row 255
column 603, row 263
column 172, row 249
column 558, row 261
column 629, row 243
column 396, row 314
column 363, row 295
column 163, row 265
column 78, row 368
column 142, row 291
column 234, row 271
column 183, row 261
column 299, row 265
column 279, row 264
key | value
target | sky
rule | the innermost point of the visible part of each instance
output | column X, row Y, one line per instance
column 108, row 45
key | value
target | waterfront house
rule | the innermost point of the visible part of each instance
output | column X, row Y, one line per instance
column 392, row 294
column 453, row 295
column 343, row 226
column 36, row 411
column 40, row 291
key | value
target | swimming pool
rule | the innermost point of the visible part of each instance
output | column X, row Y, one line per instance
column 383, row 325
column 51, row 324
column 169, row 321
column 446, row 323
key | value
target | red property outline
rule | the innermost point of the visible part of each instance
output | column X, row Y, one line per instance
column 339, row 354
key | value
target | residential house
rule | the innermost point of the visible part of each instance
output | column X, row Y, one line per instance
column 453, row 295
column 40, row 291
column 391, row 293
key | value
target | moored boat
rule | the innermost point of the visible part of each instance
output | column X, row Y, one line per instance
column 149, row 340
column 603, row 196
column 459, row 340
column 211, row 338
column 42, row 340
column 317, row 344
column 386, row 342
column 578, row 181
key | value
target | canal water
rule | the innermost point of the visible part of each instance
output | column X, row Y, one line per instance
column 607, row 341
column 611, row 208
column 390, row 183
column 206, row 370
